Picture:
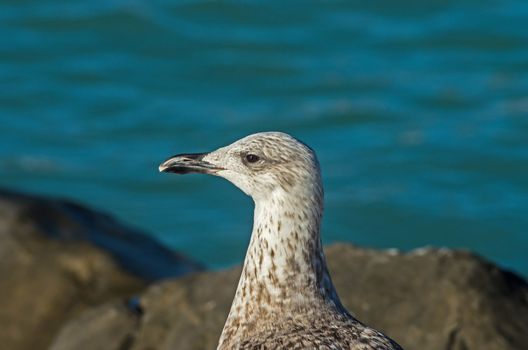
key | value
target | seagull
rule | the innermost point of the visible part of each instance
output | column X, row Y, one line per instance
column 285, row 297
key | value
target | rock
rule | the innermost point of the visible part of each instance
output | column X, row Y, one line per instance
column 113, row 327
column 58, row 258
column 427, row 299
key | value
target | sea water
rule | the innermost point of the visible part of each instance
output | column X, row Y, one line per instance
column 418, row 112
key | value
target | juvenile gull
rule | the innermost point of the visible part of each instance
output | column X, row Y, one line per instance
column 285, row 297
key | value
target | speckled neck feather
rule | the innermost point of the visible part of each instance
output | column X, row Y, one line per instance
column 285, row 272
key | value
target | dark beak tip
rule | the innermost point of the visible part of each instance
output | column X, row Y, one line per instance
column 178, row 161
column 187, row 163
column 166, row 166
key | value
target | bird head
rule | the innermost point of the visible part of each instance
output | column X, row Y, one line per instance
column 258, row 164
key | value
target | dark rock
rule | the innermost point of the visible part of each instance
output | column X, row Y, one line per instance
column 427, row 299
column 58, row 258
column 66, row 221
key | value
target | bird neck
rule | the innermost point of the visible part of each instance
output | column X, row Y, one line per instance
column 285, row 270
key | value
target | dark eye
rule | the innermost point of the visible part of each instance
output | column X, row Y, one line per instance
column 251, row 158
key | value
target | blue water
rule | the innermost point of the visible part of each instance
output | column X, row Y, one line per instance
column 418, row 112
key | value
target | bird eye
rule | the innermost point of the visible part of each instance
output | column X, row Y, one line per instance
column 251, row 158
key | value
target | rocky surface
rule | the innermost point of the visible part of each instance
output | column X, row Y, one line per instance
column 58, row 258
column 427, row 299
column 69, row 276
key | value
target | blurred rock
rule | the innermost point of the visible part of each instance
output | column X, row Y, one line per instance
column 58, row 258
column 427, row 299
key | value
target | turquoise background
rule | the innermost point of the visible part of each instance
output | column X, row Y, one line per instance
column 418, row 112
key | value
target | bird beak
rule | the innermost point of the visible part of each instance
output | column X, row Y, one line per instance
column 188, row 163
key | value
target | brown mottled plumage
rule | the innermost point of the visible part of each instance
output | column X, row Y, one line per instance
column 285, row 298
